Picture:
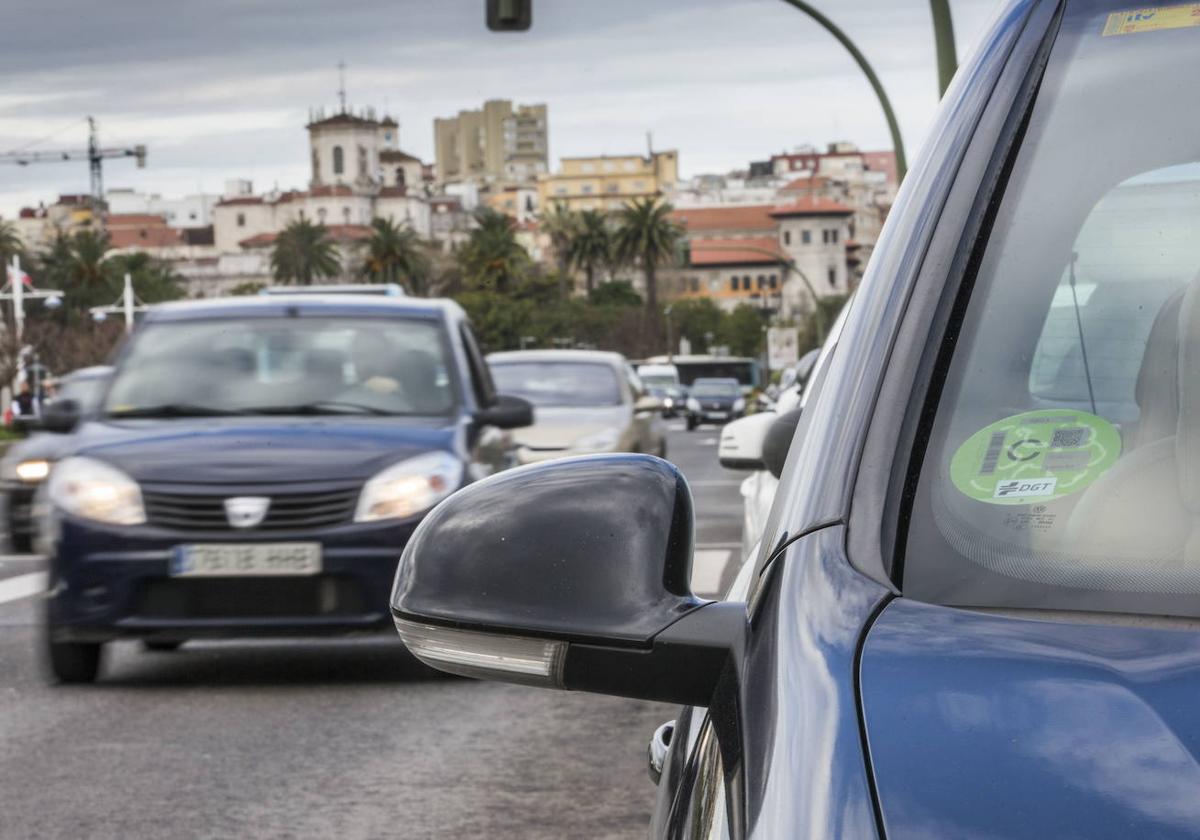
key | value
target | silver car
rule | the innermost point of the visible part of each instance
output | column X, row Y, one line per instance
column 585, row 402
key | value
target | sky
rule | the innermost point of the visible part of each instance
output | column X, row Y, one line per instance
column 222, row 89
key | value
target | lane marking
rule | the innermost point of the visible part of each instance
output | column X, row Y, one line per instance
column 708, row 442
column 708, row 566
column 22, row 586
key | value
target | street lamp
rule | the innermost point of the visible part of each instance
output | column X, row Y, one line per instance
column 16, row 291
column 126, row 305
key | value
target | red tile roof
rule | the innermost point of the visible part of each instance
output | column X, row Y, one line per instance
column 141, row 230
column 748, row 251
column 338, row 233
column 808, row 205
column 811, row 183
column 245, row 199
column 747, row 217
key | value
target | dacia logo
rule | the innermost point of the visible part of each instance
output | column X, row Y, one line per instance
column 246, row 511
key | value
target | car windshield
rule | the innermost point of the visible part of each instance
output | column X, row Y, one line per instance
column 1061, row 469
column 559, row 384
column 283, row 366
column 714, row 389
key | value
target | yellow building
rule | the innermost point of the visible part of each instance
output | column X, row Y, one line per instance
column 607, row 182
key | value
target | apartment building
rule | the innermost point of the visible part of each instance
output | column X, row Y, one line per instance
column 607, row 182
column 495, row 142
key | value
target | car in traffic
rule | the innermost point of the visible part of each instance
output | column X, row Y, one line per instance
column 585, row 401
column 255, row 467
column 973, row 611
column 28, row 462
column 714, row 401
column 663, row 382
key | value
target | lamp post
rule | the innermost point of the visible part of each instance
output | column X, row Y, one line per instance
column 14, row 289
column 126, row 305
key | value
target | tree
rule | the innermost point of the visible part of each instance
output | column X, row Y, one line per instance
column 394, row 255
column 491, row 258
column 154, row 281
column 742, row 331
column 616, row 293
column 303, row 253
column 562, row 225
column 591, row 247
column 10, row 244
column 646, row 236
column 696, row 319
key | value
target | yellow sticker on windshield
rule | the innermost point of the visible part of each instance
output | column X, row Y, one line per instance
column 1153, row 18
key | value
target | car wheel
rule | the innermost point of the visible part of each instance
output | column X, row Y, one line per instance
column 691, row 424
column 74, row 662
column 160, row 646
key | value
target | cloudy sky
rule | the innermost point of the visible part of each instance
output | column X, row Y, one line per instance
column 222, row 88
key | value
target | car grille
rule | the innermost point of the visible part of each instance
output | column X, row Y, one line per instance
column 289, row 510
column 321, row 595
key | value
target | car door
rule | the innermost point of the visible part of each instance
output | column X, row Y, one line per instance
column 786, row 722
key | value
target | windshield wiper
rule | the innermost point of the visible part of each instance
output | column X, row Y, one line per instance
column 319, row 407
column 173, row 410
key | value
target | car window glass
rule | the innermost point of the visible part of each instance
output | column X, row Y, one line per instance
column 392, row 366
column 1060, row 469
column 481, row 377
column 560, row 384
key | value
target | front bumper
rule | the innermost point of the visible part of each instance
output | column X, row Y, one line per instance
column 110, row 582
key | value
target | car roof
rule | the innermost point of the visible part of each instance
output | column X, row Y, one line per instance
column 593, row 356
column 259, row 306
column 716, row 380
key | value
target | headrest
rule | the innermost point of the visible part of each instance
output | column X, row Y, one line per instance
column 1157, row 389
column 1187, row 436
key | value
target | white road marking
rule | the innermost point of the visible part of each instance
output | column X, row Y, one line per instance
column 708, row 565
column 22, row 586
column 676, row 427
column 708, row 442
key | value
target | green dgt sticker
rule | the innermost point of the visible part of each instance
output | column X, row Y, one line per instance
column 1035, row 457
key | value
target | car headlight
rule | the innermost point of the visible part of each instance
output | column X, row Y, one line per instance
column 95, row 490
column 603, row 441
column 739, row 404
column 30, row 471
column 668, row 402
column 693, row 404
column 409, row 487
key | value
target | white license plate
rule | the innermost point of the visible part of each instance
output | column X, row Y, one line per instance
column 246, row 560
column 715, row 415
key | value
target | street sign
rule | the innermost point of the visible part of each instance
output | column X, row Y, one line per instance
column 783, row 347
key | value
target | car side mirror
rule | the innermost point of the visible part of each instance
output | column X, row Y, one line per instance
column 569, row 574
column 741, row 444
column 28, row 423
column 646, row 402
column 507, row 413
column 779, row 441
column 62, row 415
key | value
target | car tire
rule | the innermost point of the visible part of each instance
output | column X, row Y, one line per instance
column 74, row 662
column 691, row 424
column 160, row 645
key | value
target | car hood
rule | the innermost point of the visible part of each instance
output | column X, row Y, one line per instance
column 560, row 428
column 41, row 446
column 253, row 450
column 992, row 726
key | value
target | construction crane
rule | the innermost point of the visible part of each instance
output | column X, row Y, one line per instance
column 93, row 154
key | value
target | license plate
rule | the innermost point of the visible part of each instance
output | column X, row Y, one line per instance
column 246, row 560
column 715, row 415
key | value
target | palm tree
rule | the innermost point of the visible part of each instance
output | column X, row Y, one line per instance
column 303, row 253
column 86, row 262
column 646, row 236
column 492, row 258
column 562, row 225
column 394, row 255
column 592, row 246
column 10, row 243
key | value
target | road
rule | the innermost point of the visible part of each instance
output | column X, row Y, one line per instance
column 351, row 739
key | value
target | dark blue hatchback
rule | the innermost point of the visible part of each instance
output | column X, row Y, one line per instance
column 256, row 467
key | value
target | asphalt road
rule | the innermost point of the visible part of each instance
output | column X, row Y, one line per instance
column 348, row 739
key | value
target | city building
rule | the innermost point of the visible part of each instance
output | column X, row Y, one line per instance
column 358, row 173
column 496, row 142
column 755, row 254
column 190, row 211
column 607, row 182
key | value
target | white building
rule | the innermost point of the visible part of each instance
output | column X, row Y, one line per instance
column 190, row 211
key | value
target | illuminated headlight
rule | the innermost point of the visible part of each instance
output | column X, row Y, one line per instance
column 693, row 404
column 409, row 487
column 95, row 490
column 668, row 402
column 604, row 441
column 31, row 471
column 739, row 404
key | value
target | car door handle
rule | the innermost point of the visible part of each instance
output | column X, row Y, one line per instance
column 656, row 752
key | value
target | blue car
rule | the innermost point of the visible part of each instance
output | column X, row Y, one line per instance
column 256, row 466
column 975, row 608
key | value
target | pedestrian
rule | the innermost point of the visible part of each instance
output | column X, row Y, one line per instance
column 23, row 403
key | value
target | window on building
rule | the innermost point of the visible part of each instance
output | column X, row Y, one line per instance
column 833, row 236
column 400, row 176
column 773, row 281
column 695, row 284
column 339, row 160
column 346, row 215
column 762, row 281
column 787, row 237
column 746, row 283
column 587, row 189
column 825, row 236
column 362, row 161
column 733, row 283
column 832, row 276
column 806, row 237
column 241, row 219
column 613, row 187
